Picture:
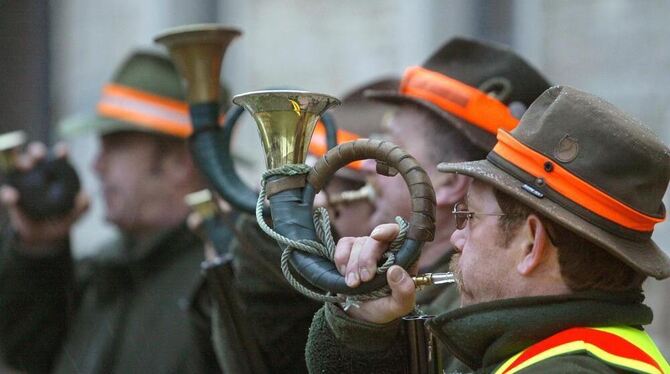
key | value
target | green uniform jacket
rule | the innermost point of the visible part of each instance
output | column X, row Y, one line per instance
column 279, row 316
column 124, row 311
column 483, row 336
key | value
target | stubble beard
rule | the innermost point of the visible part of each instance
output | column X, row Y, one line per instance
column 458, row 275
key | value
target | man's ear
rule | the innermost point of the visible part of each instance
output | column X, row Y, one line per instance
column 450, row 188
column 534, row 244
column 179, row 165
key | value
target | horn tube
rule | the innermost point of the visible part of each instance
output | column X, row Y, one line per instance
column 424, row 353
column 198, row 51
column 228, row 318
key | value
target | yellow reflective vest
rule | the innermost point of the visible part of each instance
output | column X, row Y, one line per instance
column 621, row 346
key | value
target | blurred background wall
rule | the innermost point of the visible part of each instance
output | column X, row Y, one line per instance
column 57, row 55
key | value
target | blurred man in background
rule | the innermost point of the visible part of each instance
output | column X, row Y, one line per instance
column 448, row 109
column 124, row 310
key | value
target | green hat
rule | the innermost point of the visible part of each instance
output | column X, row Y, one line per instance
column 356, row 117
column 146, row 95
column 475, row 86
column 589, row 167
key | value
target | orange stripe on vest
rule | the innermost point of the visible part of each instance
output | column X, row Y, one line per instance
column 571, row 186
column 619, row 346
column 459, row 99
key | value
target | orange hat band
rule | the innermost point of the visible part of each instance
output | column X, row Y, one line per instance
column 319, row 146
column 570, row 186
column 457, row 98
column 145, row 109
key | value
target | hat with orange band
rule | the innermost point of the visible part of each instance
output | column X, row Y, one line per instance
column 144, row 95
column 589, row 167
column 477, row 87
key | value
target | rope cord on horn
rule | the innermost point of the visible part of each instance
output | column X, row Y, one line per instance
column 327, row 250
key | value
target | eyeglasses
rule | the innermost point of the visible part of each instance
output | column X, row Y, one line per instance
column 462, row 215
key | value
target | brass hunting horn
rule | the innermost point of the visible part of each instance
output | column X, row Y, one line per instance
column 286, row 121
column 198, row 51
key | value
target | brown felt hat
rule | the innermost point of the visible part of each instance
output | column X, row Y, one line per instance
column 356, row 117
column 589, row 167
column 475, row 86
column 361, row 116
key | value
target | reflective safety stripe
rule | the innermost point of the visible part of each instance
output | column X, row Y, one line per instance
column 622, row 346
column 457, row 98
column 145, row 109
column 319, row 144
column 570, row 186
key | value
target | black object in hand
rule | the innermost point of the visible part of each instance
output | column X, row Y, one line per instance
column 48, row 190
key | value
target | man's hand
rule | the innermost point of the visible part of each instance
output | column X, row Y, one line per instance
column 195, row 221
column 36, row 236
column 356, row 259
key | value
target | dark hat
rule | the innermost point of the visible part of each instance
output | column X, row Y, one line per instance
column 589, row 167
column 145, row 94
column 361, row 116
column 475, row 86
column 356, row 117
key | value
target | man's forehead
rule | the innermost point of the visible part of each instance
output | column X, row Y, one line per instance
column 478, row 192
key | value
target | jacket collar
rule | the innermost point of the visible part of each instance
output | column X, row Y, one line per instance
column 122, row 263
column 485, row 334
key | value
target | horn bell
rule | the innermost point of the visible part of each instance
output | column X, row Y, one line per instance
column 285, row 121
column 197, row 51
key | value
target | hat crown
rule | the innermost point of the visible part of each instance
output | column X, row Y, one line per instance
column 361, row 116
column 150, row 72
column 478, row 63
column 599, row 144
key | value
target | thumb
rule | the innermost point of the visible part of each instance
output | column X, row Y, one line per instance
column 9, row 196
column 385, row 232
column 403, row 291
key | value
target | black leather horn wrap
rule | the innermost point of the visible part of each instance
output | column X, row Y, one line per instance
column 292, row 212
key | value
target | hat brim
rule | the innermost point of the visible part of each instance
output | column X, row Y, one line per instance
column 644, row 256
column 479, row 137
column 98, row 125
column 101, row 126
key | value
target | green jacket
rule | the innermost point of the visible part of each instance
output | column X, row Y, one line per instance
column 278, row 316
column 483, row 335
column 123, row 311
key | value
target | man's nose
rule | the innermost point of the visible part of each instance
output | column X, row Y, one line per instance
column 458, row 239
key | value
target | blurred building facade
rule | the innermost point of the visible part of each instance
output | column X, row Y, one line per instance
column 616, row 49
